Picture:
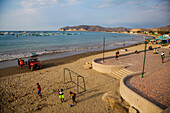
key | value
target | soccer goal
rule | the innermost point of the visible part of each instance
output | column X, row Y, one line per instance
column 78, row 80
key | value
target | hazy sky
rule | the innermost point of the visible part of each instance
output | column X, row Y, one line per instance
column 54, row 14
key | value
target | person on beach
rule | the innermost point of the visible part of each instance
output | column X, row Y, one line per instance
column 136, row 52
column 163, row 56
column 61, row 95
column 73, row 97
column 155, row 52
column 39, row 90
column 29, row 66
column 18, row 62
column 117, row 55
column 21, row 63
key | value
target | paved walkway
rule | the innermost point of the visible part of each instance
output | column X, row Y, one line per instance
column 155, row 84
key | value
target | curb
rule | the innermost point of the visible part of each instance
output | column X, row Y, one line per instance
column 105, row 68
column 134, row 99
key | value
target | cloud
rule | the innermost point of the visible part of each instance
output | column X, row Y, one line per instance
column 49, row 14
column 73, row 2
column 132, row 3
column 164, row 5
column 108, row 3
column 112, row 3
column 34, row 4
column 117, row 3
column 34, row 14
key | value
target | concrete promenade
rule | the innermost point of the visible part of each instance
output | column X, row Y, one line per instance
column 155, row 85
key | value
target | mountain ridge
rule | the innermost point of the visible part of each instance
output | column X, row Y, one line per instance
column 93, row 28
column 98, row 28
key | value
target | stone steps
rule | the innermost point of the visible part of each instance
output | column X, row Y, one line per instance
column 121, row 73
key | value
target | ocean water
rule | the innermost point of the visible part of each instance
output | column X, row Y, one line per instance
column 12, row 47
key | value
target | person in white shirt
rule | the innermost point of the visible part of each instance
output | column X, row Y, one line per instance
column 163, row 56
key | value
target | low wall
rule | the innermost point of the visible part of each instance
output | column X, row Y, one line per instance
column 140, row 103
column 105, row 68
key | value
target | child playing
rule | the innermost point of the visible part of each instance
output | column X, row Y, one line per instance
column 61, row 95
column 73, row 97
column 39, row 90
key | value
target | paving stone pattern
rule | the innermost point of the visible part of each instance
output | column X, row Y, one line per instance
column 155, row 86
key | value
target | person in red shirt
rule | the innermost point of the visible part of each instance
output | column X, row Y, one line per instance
column 21, row 63
column 39, row 90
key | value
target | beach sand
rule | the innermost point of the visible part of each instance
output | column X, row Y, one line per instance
column 19, row 90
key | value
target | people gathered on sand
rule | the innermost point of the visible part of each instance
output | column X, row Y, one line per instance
column 60, row 94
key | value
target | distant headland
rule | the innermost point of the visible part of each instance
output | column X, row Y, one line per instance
column 106, row 29
column 93, row 28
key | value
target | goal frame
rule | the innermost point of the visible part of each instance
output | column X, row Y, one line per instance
column 72, row 73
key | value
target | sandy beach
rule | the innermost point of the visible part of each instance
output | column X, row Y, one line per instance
column 19, row 90
column 96, row 49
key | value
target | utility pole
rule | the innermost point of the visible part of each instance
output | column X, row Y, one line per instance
column 144, row 58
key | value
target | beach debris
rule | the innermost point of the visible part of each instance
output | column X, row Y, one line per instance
column 118, row 108
column 88, row 65
column 132, row 110
column 115, row 101
column 112, row 98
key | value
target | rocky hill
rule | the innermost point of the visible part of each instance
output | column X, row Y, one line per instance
column 93, row 28
column 166, row 28
column 106, row 29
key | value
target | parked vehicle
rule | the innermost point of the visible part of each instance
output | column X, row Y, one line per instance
column 33, row 63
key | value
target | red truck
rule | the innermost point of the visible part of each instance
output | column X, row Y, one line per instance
column 33, row 63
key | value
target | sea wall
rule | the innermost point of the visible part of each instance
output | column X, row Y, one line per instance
column 134, row 99
column 105, row 68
